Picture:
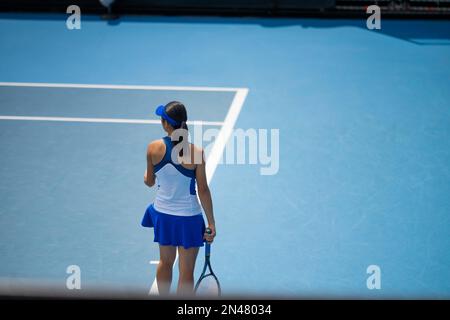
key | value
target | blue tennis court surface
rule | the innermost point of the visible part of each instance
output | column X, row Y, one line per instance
column 66, row 192
column 364, row 123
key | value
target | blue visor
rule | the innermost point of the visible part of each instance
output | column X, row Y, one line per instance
column 161, row 111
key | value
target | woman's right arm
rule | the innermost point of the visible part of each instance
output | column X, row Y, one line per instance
column 205, row 198
column 149, row 176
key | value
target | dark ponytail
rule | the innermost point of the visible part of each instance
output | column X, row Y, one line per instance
column 183, row 125
column 177, row 111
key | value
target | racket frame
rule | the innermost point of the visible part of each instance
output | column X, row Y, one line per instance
column 208, row 266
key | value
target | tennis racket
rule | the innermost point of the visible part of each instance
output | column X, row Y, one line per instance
column 207, row 284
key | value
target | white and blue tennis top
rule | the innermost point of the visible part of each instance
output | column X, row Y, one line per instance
column 176, row 187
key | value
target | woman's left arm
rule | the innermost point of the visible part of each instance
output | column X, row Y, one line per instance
column 149, row 179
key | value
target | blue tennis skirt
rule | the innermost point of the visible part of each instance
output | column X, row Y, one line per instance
column 171, row 230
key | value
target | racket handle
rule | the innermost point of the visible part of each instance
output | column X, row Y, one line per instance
column 208, row 245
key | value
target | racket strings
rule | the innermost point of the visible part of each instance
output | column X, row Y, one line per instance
column 208, row 286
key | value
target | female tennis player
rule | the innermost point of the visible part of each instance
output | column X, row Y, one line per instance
column 176, row 215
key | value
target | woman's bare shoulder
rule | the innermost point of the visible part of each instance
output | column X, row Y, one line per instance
column 155, row 146
column 195, row 148
column 196, row 154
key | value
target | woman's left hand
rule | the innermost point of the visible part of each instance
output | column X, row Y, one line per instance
column 209, row 237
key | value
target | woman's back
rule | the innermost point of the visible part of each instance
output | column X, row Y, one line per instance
column 176, row 194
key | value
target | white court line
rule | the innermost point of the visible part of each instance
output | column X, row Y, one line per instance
column 114, row 86
column 154, row 261
column 218, row 147
column 104, row 120
column 225, row 132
